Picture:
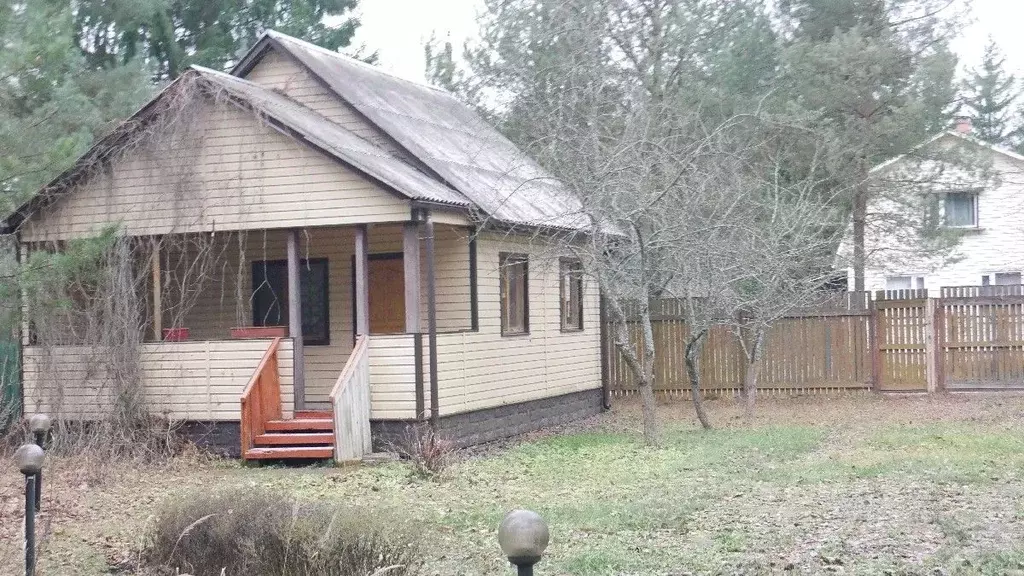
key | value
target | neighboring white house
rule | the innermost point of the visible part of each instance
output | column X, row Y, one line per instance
column 983, row 213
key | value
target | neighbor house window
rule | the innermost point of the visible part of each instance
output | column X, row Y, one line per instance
column 908, row 282
column 1001, row 279
column 270, row 297
column 571, row 293
column 515, row 303
column 961, row 209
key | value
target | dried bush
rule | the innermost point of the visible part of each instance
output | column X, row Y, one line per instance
column 430, row 451
column 257, row 533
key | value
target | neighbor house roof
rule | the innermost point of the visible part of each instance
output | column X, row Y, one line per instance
column 946, row 134
column 447, row 136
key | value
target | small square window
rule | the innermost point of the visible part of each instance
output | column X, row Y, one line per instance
column 571, row 294
column 515, row 304
column 961, row 209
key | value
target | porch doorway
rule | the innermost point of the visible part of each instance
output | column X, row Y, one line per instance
column 386, row 285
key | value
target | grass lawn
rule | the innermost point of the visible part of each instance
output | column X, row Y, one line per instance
column 854, row 485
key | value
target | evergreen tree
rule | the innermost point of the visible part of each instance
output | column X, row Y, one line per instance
column 52, row 104
column 877, row 75
column 172, row 34
column 989, row 96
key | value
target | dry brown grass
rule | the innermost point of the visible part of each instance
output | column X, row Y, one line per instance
column 865, row 484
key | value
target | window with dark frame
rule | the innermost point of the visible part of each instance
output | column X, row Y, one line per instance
column 571, row 293
column 270, row 297
column 515, row 298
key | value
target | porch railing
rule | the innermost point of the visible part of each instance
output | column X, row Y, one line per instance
column 350, row 399
column 261, row 399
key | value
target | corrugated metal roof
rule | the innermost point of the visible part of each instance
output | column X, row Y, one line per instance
column 336, row 140
column 447, row 136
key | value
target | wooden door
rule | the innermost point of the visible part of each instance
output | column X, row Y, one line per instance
column 387, row 295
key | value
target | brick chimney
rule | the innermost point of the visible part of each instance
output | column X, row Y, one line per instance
column 962, row 124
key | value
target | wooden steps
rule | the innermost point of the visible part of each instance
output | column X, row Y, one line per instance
column 308, row 436
column 295, row 439
column 301, row 425
column 291, row 453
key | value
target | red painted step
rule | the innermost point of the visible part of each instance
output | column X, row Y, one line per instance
column 294, row 439
column 318, row 414
column 290, row 452
column 301, row 425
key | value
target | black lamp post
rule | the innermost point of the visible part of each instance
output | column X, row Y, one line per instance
column 39, row 424
column 523, row 536
column 30, row 461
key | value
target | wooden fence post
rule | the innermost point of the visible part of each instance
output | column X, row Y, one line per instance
column 930, row 351
column 939, row 324
column 876, row 360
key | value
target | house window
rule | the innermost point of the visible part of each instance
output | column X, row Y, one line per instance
column 1001, row 279
column 904, row 282
column 961, row 209
column 571, row 294
column 515, row 303
column 270, row 297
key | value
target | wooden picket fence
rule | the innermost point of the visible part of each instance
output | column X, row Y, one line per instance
column 967, row 338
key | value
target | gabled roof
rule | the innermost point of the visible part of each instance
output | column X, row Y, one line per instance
column 286, row 115
column 336, row 140
column 953, row 133
column 444, row 134
column 465, row 162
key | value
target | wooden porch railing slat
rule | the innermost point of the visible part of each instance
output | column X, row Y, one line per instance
column 261, row 398
column 350, row 400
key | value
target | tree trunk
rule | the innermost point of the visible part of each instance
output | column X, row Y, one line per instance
column 860, row 214
column 692, row 351
column 652, row 432
column 752, row 373
column 642, row 369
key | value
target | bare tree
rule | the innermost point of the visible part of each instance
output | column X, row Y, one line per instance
column 625, row 104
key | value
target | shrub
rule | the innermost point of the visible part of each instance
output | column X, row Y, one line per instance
column 430, row 451
column 256, row 533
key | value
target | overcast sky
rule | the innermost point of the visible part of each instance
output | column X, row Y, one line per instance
column 398, row 29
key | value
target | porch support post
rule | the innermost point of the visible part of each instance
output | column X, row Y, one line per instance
column 362, row 284
column 158, row 309
column 474, row 301
column 411, row 265
column 435, row 409
column 295, row 320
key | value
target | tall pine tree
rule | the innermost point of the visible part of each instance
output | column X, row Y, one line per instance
column 989, row 95
column 52, row 104
column 172, row 34
column 878, row 77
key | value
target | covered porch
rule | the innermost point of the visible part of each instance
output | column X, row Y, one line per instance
column 283, row 331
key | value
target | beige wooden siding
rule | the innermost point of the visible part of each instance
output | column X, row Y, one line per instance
column 483, row 369
column 392, row 377
column 196, row 380
column 279, row 71
column 451, row 272
column 450, row 217
column 232, row 173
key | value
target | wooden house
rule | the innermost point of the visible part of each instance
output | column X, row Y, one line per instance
column 385, row 257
